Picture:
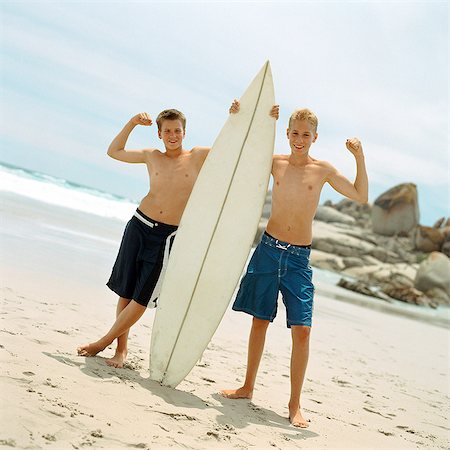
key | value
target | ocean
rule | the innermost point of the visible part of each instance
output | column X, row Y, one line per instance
column 58, row 191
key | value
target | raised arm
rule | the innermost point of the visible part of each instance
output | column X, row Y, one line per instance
column 117, row 147
column 358, row 190
column 236, row 106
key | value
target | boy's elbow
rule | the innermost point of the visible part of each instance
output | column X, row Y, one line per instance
column 111, row 152
column 364, row 199
column 360, row 198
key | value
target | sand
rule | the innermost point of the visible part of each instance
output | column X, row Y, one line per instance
column 375, row 380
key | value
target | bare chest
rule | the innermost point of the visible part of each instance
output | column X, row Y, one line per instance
column 296, row 183
column 173, row 175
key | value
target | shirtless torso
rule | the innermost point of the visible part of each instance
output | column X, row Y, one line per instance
column 171, row 181
column 172, row 173
column 298, row 182
column 295, row 196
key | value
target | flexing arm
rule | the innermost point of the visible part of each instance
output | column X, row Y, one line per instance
column 360, row 188
column 117, row 147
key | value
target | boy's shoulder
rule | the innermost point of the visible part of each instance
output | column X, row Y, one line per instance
column 317, row 162
column 200, row 150
column 280, row 158
column 152, row 153
column 323, row 163
column 326, row 166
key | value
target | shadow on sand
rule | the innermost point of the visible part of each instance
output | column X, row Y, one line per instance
column 237, row 413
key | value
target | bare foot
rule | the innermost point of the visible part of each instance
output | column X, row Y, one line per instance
column 237, row 393
column 297, row 419
column 90, row 349
column 117, row 360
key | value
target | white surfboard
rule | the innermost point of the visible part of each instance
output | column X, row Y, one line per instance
column 215, row 235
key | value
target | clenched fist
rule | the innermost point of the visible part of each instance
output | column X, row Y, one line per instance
column 354, row 145
column 142, row 119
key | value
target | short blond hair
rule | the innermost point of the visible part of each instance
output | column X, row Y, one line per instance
column 304, row 114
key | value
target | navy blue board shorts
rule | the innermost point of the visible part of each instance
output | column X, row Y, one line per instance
column 274, row 267
column 143, row 254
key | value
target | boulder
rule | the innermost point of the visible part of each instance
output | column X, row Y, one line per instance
column 396, row 211
column 352, row 261
column 428, row 239
column 401, row 274
column 329, row 214
column 407, row 294
column 439, row 223
column 384, row 255
column 445, row 232
column 370, row 260
column 434, row 272
column 359, row 211
column 352, row 208
column 326, row 261
column 361, row 287
column 366, row 273
column 445, row 249
column 438, row 295
column 332, row 238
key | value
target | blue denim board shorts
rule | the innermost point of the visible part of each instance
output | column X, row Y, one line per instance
column 274, row 267
column 142, row 258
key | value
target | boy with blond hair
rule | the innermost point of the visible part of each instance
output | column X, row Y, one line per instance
column 280, row 262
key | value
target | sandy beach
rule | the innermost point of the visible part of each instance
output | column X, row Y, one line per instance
column 375, row 380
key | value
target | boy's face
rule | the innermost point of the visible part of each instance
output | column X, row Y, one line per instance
column 172, row 134
column 301, row 136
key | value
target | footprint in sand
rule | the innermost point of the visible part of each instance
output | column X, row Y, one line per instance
column 62, row 332
column 38, row 341
column 97, row 433
column 49, row 437
column 208, row 380
column 48, row 382
column 341, row 382
column 8, row 332
column 386, row 433
column 373, row 411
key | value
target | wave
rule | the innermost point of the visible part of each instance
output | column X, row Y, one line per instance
column 58, row 191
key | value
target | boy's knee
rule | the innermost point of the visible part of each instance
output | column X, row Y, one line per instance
column 260, row 324
column 300, row 332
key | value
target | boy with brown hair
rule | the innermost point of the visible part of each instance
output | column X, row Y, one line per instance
column 280, row 262
column 144, row 250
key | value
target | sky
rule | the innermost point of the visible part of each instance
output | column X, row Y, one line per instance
column 73, row 73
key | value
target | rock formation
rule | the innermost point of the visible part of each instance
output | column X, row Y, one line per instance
column 396, row 211
column 433, row 275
